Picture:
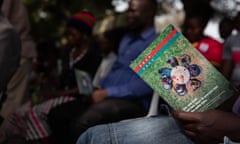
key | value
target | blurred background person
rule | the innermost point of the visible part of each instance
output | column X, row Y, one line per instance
column 231, row 55
column 10, row 47
column 29, row 122
column 123, row 94
column 108, row 42
column 193, row 30
column 18, row 87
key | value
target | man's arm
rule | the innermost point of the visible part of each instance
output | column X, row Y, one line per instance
column 136, row 87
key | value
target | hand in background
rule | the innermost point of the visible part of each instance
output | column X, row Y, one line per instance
column 99, row 95
column 209, row 127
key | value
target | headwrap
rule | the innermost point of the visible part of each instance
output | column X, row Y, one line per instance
column 82, row 21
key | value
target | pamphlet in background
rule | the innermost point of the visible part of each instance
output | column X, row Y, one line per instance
column 84, row 82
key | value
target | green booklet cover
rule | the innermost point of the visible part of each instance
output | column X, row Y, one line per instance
column 180, row 74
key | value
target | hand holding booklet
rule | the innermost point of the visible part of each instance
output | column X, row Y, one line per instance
column 180, row 74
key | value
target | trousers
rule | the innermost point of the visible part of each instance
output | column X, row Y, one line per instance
column 70, row 120
column 147, row 130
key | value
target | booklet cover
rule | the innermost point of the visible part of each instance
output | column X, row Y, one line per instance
column 84, row 82
column 180, row 74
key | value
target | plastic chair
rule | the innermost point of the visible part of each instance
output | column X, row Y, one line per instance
column 153, row 110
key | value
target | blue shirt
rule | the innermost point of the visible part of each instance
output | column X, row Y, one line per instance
column 122, row 82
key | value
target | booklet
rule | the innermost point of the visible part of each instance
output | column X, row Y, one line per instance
column 180, row 74
column 84, row 82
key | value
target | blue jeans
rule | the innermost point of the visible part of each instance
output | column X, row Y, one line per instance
column 151, row 130
column 148, row 130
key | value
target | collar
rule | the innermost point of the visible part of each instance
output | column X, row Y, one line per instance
column 146, row 34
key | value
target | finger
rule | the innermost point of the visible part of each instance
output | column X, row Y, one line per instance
column 187, row 116
column 196, row 137
column 192, row 135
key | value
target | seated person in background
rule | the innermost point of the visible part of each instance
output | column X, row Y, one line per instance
column 80, row 52
column 123, row 94
column 18, row 87
column 10, row 47
column 108, row 43
column 29, row 122
column 193, row 30
column 231, row 55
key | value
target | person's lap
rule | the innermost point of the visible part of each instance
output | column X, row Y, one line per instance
column 68, row 124
column 154, row 130
column 60, row 117
column 109, row 110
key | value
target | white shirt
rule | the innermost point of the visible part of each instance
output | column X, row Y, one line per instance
column 104, row 68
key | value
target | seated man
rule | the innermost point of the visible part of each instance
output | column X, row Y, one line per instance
column 123, row 94
column 183, row 128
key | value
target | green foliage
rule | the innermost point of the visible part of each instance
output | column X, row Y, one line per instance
column 48, row 17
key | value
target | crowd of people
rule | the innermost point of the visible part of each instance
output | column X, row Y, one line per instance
column 40, row 98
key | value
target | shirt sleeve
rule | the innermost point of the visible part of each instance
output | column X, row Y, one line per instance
column 136, row 87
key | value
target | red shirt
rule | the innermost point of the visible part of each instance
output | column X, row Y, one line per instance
column 211, row 49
